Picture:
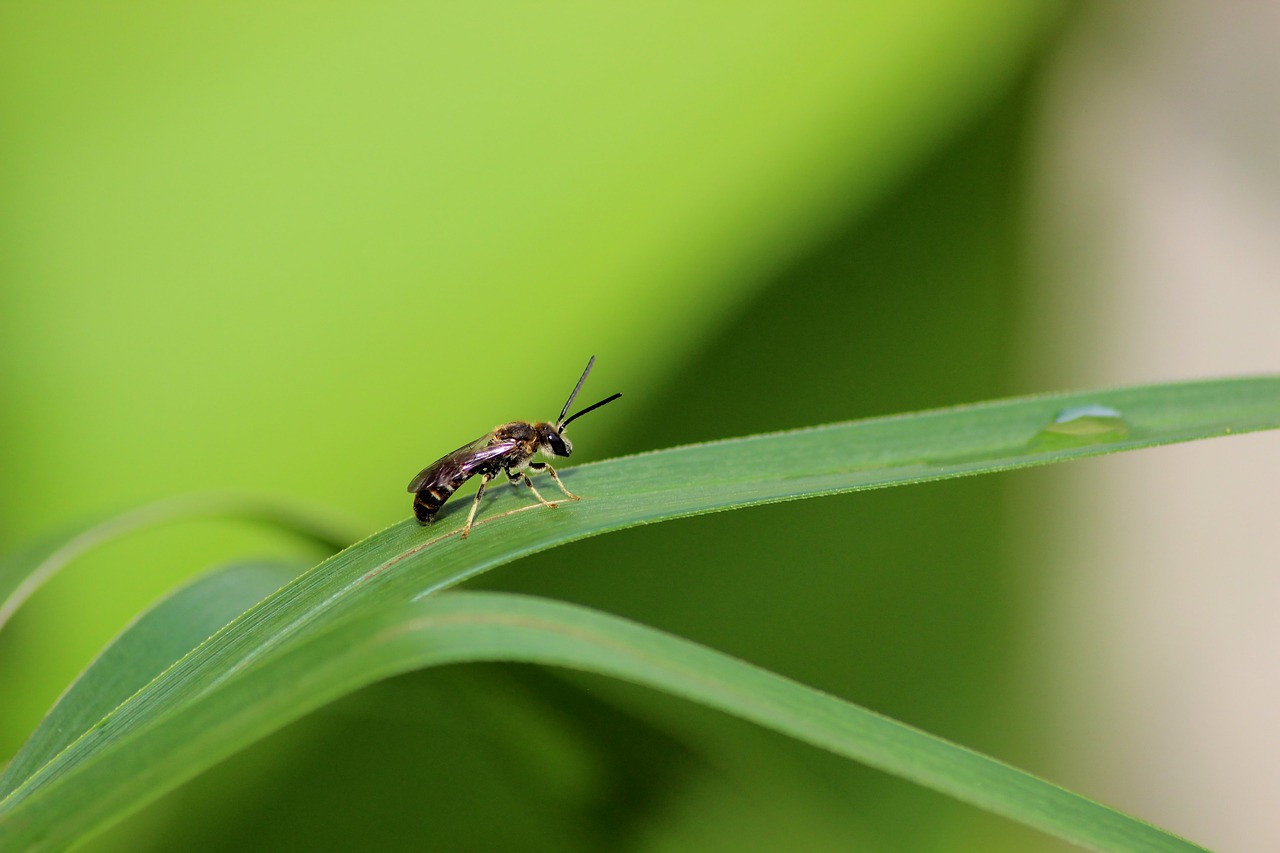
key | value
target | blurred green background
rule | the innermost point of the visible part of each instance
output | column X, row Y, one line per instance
column 306, row 248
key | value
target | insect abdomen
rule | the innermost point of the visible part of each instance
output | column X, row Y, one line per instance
column 438, row 489
column 427, row 502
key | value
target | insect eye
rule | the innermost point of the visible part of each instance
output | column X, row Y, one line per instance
column 559, row 446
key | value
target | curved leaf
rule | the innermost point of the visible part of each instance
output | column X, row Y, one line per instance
column 22, row 573
column 145, row 648
column 470, row 626
column 405, row 560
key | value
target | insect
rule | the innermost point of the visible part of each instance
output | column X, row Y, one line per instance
column 509, row 450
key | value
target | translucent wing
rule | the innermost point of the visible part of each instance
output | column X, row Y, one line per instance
column 461, row 463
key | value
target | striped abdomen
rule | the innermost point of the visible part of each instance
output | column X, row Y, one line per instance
column 442, row 480
column 428, row 502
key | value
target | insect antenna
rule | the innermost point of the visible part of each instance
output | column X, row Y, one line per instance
column 564, row 423
column 576, row 388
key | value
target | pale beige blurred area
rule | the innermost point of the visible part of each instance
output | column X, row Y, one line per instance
column 1157, row 256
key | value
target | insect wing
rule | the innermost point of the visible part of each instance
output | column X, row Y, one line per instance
column 475, row 459
column 461, row 463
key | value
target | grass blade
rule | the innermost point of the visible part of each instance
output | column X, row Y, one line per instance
column 22, row 573
column 144, row 649
column 406, row 561
column 470, row 626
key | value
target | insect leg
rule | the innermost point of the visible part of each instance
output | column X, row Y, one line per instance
column 542, row 466
column 475, row 505
column 536, row 494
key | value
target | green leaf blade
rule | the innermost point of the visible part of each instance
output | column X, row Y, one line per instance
column 22, row 573
column 407, row 561
column 458, row 627
column 151, row 644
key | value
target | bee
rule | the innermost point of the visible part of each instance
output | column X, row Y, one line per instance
column 509, row 450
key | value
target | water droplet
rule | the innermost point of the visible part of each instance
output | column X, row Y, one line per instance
column 1079, row 426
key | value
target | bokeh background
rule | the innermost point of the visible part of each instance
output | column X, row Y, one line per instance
column 304, row 249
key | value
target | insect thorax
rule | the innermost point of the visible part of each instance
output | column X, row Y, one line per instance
column 516, row 431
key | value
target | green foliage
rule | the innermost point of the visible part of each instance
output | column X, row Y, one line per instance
column 303, row 252
column 376, row 609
